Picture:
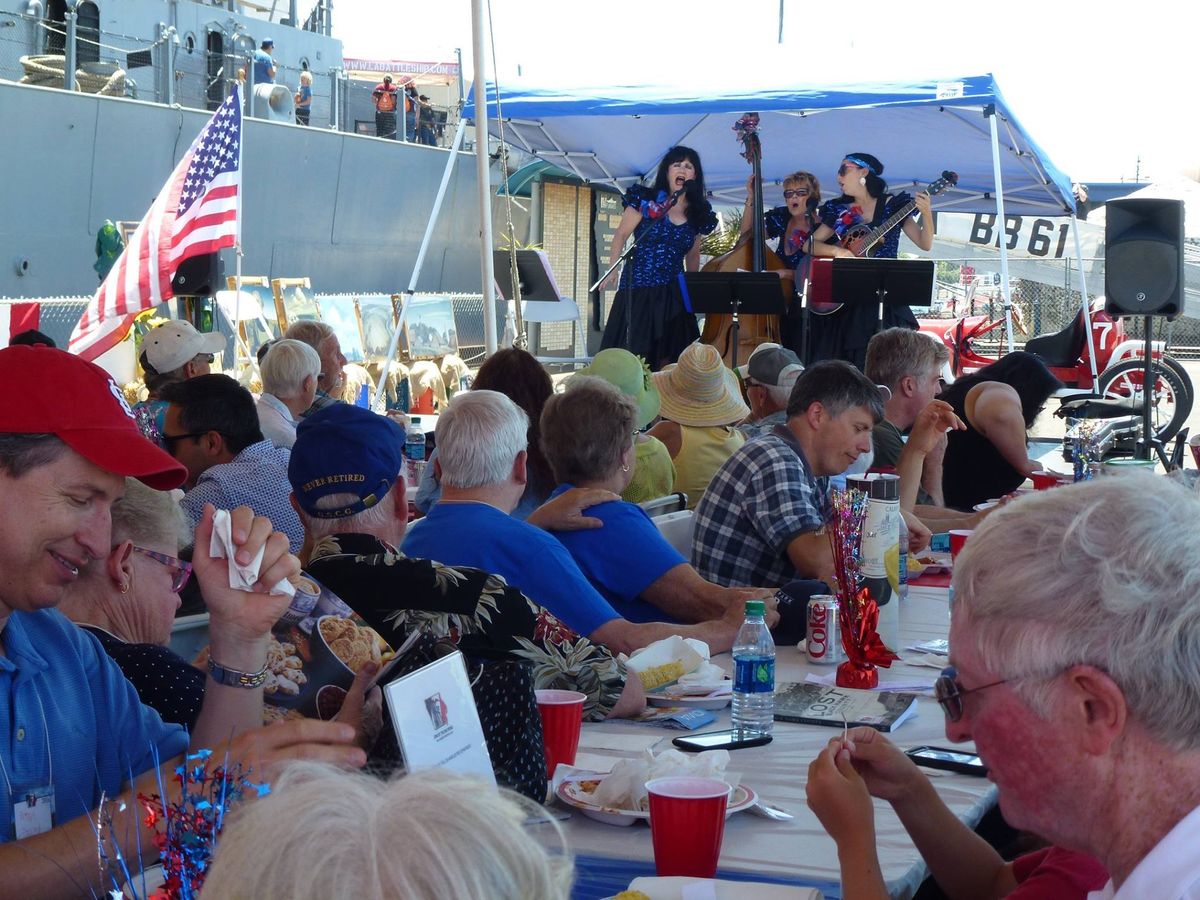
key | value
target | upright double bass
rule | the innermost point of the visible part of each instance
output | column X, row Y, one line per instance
column 748, row 255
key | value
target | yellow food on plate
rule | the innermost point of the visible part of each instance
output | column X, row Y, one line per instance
column 657, row 676
column 631, row 895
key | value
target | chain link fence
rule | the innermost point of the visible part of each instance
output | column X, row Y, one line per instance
column 1044, row 307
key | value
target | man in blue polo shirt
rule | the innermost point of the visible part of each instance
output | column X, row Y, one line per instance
column 72, row 729
column 481, row 443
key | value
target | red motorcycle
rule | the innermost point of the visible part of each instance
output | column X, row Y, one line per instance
column 1119, row 362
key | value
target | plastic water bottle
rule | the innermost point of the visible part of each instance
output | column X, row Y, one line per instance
column 414, row 450
column 902, row 575
column 754, row 674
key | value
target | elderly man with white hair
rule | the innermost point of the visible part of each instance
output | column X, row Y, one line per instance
column 290, row 370
column 769, row 376
column 481, row 443
column 331, row 380
column 1075, row 668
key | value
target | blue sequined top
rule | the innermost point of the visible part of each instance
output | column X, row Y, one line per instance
column 661, row 244
column 841, row 217
column 790, row 251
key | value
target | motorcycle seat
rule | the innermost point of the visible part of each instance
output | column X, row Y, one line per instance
column 1093, row 406
column 1061, row 349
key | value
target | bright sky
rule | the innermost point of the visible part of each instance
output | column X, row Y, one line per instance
column 1096, row 85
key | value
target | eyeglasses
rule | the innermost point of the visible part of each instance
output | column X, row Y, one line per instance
column 209, row 358
column 180, row 570
column 169, row 440
column 798, row 192
column 949, row 692
column 846, row 167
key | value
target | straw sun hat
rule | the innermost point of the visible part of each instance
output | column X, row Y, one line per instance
column 631, row 376
column 700, row 390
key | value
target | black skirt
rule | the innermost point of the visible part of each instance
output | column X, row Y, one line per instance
column 845, row 334
column 651, row 323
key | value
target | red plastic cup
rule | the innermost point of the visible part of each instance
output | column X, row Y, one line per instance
column 687, row 823
column 957, row 539
column 1043, row 481
column 562, row 717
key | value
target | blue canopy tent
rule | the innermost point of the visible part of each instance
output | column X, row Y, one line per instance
column 616, row 136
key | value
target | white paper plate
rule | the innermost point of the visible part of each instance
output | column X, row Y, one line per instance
column 572, row 794
column 662, row 697
column 941, row 563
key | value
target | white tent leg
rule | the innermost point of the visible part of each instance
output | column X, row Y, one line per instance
column 381, row 387
column 1087, row 307
column 990, row 112
column 479, row 62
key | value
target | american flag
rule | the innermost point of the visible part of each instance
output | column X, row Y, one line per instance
column 197, row 211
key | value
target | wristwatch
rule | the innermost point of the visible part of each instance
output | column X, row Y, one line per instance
column 233, row 678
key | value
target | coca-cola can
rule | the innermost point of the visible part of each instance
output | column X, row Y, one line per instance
column 824, row 634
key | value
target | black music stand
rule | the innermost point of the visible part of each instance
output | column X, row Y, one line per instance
column 535, row 281
column 732, row 293
column 890, row 282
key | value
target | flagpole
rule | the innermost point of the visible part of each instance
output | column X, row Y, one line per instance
column 237, row 252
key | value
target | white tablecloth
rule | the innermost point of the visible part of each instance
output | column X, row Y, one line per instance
column 798, row 851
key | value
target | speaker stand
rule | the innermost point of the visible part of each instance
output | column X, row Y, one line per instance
column 1149, row 439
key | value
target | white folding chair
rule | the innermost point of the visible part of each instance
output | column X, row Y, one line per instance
column 678, row 528
column 661, row 506
column 189, row 635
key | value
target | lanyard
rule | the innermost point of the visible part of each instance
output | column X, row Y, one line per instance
column 49, row 757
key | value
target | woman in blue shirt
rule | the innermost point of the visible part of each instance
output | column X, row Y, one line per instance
column 587, row 435
column 648, row 317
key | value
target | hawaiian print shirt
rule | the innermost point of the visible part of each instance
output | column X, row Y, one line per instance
column 481, row 613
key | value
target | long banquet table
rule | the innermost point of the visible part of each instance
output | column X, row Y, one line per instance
column 797, row 852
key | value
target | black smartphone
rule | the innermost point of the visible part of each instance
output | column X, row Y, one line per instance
column 949, row 760
column 719, row 740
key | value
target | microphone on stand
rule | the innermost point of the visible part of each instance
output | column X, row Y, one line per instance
column 682, row 190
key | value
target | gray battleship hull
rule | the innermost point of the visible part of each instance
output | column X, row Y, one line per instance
column 347, row 211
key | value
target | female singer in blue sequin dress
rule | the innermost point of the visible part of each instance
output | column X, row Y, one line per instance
column 647, row 316
column 865, row 199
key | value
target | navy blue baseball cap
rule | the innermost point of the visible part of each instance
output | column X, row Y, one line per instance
column 345, row 449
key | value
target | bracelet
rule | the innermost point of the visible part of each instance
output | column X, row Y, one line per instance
column 233, row 678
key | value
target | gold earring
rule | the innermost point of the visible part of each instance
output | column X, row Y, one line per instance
column 124, row 587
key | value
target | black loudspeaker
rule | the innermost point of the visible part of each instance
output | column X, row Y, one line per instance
column 198, row 276
column 1143, row 257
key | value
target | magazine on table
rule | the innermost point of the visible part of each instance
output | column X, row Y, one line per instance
column 313, row 653
column 817, row 704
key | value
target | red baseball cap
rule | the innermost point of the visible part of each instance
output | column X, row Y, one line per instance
column 48, row 391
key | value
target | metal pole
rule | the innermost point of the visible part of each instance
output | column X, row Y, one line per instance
column 479, row 67
column 172, row 46
column 381, row 386
column 335, row 108
column 69, row 62
column 1087, row 306
column 990, row 112
column 237, row 249
column 462, row 88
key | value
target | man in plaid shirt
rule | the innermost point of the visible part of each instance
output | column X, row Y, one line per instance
column 760, row 521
